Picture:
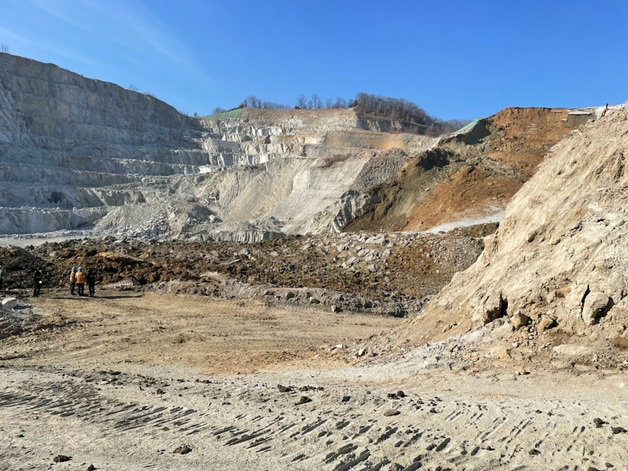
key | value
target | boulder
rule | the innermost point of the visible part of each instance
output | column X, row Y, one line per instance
column 495, row 306
column 545, row 323
column 596, row 306
column 519, row 320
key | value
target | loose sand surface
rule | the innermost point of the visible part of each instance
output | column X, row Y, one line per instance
column 123, row 380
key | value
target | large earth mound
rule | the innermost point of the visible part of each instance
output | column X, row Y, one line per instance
column 555, row 275
column 469, row 177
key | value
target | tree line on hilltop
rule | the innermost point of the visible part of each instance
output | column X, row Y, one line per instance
column 366, row 106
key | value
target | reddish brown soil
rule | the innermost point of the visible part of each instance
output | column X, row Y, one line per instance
column 523, row 136
column 469, row 193
column 458, row 180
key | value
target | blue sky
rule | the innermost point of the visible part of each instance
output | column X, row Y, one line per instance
column 456, row 59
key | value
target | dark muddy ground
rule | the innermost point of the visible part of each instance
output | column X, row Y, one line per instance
column 385, row 267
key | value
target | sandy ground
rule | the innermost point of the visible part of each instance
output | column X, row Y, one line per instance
column 124, row 380
column 197, row 332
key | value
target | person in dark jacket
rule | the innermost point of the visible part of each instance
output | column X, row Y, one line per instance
column 91, row 281
column 72, row 279
column 37, row 282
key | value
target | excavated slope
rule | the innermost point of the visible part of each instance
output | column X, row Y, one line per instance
column 558, row 265
column 77, row 153
column 469, row 177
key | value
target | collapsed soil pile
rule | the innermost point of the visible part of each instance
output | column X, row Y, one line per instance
column 522, row 136
column 554, row 278
column 470, row 175
column 377, row 268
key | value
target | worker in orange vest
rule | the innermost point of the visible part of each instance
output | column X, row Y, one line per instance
column 72, row 279
column 80, row 281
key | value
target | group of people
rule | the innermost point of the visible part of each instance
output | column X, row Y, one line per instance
column 78, row 280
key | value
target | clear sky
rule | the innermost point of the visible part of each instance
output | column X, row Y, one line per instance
column 455, row 59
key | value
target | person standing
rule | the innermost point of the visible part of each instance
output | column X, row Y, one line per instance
column 72, row 279
column 37, row 282
column 80, row 281
column 604, row 111
column 91, row 281
column 0, row 277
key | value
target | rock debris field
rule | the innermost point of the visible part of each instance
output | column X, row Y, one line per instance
column 389, row 274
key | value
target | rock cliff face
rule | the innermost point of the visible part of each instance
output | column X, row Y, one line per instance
column 63, row 136
column 559, row 261
column 77, row 153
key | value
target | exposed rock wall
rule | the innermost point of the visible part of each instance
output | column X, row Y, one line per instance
column 62, row 136
column 82, row 153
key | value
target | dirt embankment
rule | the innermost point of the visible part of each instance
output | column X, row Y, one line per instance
column 471, row 175
column 552, row 281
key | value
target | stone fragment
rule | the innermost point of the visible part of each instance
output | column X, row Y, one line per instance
column 617, row 430
column 598, row 422
column 391, row 412
column 61, row 458
column 284, row 389
column 545, row 323
column 596, row 305
column 303, row 400
column 396, row 395
column 519, row 320
column 9, row 303
column 182, row 450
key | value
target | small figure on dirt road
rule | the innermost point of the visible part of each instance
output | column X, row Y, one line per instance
column 72, row 279
column 37, row 282
column 604, row 111
column 91, row 281
column 80, row 281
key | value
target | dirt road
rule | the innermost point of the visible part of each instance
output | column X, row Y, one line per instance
column 197, row 332
column 129, row 381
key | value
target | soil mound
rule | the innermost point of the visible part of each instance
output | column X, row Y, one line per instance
column 555, row 276
column 522, row 136
column 470, row 176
